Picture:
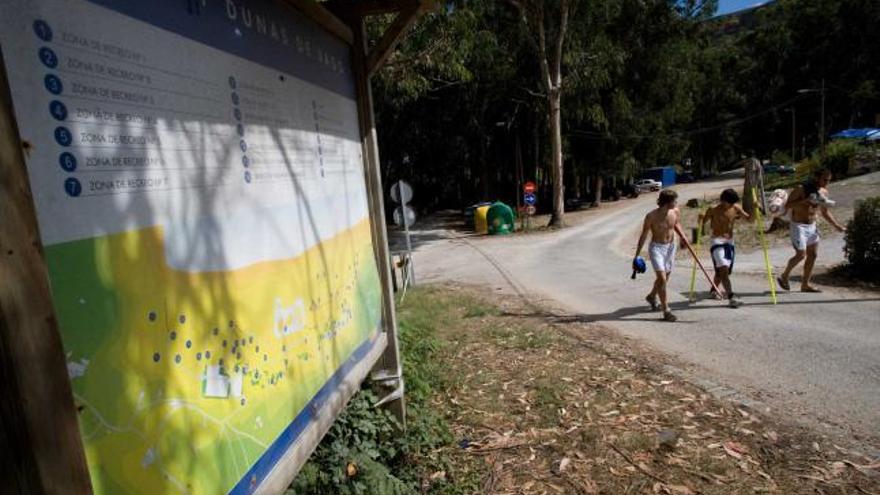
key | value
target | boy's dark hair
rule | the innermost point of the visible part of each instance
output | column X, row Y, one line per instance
column 730, row 196
column 667, row 196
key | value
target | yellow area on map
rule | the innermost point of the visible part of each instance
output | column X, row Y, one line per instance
column 182, row 380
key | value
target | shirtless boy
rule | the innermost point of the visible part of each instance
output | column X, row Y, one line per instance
column 805, row 202
column 663, row 224
column 721, row 218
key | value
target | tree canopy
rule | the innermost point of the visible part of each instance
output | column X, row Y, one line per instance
column 463, row 113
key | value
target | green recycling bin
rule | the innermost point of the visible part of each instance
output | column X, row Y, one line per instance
column 500, row 219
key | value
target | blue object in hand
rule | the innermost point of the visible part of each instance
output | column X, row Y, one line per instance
column 639, row 266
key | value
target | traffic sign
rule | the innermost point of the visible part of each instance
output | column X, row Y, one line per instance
column 401, row 192
column 530, row 199
column 530, row 209
column 529, row 187
column 399, row 215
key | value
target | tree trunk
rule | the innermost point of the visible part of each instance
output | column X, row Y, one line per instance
column 748, row 184
column 556, row 219
column 484, row 170
column 600, row 183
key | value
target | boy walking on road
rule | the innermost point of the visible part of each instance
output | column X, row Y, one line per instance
column 663, row 223
column 805, row 203
column 721, row 218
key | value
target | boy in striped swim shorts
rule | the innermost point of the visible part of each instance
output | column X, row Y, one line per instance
column 722, row 217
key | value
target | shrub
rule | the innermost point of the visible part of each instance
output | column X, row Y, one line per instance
column 365, row 453
column 862, row 241
column 780, row 157
column 350, row 459
column 838, row 156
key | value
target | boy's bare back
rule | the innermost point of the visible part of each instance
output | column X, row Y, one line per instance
column 662, row 223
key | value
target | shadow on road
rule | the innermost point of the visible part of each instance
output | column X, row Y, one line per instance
column 630, row 313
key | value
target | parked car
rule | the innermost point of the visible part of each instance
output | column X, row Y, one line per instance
column 649, row 185
column 630, row 190
column 574, row 204
column 773, row 168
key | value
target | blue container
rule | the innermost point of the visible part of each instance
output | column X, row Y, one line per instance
column 665, row 175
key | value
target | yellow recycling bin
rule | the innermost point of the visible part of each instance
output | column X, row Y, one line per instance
column 481, row 224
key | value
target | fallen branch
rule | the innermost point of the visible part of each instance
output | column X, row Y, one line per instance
column 640, row 468
column 491, row 448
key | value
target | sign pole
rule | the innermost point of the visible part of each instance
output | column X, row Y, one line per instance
column 759, row 224
column 391, row 366
column 410, row 271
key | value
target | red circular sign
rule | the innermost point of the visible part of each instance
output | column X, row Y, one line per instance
column 529, row 187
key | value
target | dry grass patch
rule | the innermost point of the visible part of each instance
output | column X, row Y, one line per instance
column 539, row 404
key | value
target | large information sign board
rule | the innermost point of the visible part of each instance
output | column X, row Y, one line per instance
column 197, row 175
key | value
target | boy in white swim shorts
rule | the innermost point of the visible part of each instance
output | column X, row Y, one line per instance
column 805, row 202
column 663, row 223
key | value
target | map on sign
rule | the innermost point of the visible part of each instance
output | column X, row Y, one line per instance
column 198, row 182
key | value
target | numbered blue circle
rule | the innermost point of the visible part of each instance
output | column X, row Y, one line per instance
column 67, row 161
column 58, row 110
column 42, row 30
column 63, row 136
column 242, row 145
column 234, row 98
column 72, row 187
column 232, row 83
column 53, row 84
column 48, row 57
column 237, row 114
column 246, row 161
column 247, row 177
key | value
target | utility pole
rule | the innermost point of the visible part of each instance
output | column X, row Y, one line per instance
column 793, row 141
column 822, row 122
column 821, row 92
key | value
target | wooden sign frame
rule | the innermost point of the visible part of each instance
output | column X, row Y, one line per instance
column 39, row 429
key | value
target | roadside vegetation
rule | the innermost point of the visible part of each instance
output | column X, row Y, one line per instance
column 505, row 397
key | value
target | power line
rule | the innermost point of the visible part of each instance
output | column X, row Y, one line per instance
column 596, row 135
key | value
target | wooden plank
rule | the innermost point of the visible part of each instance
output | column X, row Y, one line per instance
column 326, row 19
column 375, row 198
column 391, row 38
column 39, row 417
column 371, row 7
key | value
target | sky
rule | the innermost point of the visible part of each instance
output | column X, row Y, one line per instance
column 727, row 6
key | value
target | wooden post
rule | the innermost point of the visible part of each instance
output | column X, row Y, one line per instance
column 391, row 358
column 40, row 435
